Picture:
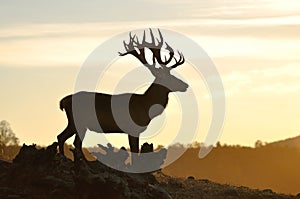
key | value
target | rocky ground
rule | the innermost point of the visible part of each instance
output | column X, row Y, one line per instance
column 44, row 173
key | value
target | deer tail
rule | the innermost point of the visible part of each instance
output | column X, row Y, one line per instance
column 62, row 103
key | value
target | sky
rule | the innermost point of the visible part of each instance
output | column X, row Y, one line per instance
column 254, row 45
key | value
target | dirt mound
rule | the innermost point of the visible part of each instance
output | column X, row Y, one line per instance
column 44, row 173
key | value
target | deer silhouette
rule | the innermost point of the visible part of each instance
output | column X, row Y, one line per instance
column 127, row 113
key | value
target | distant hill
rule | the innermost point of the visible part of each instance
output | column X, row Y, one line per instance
column 290, row 142
column 271, row 166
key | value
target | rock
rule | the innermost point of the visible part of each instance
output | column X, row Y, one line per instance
column 158, row 192
column 204, row 180
column 268, row 191
column 230, row 192
column 31, row 156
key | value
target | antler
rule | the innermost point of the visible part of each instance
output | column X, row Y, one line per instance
column 134, row 45
column 131, row 49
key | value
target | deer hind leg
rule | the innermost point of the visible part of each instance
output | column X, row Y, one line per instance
column 134, row 147
column 66, row 134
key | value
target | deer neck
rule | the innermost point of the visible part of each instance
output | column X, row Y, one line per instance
column 157, row 94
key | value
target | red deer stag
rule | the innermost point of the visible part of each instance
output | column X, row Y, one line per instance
column 115, row 113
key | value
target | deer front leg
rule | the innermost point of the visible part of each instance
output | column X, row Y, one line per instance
column 78, row 147
column 133, row 143
column 134, row 147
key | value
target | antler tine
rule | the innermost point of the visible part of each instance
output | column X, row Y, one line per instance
column 144, row 37
column 178, row 62
column 135, row 48
column 125, row 45
column 130, row 36
column 126, row 48
column 152, row 37
column 130, row 46
column 155, row 49
column 160, row 35
column 171, row 53
column 161, row 42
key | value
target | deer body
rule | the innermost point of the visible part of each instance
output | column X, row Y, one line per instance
column 127, row 113
column 139, row 106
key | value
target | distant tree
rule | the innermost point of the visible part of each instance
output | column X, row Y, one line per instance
column 225, row 145
column 195, row 144
column 177, row 146
column 159, row 147
column 258, row 144
column 7, row 136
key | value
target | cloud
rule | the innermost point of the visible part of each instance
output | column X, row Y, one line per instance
column 268, row 81
column 76, row 11
column 55, row 11
column 70, row 43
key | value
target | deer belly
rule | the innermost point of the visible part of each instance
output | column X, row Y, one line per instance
column 104, row 126
column 108, row 126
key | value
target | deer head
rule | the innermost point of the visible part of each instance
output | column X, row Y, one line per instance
column 159, row 67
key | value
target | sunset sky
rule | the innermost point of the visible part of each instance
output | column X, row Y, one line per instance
column 255, row 46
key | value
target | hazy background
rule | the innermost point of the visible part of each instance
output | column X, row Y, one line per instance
column 255, row 46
